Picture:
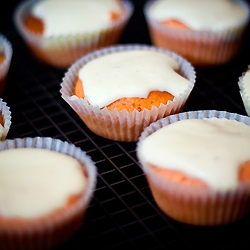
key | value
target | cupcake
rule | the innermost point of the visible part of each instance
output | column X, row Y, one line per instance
column 5, row 59
column 244, row 85
column 204, row 32
column 46, row 186
column 5, row 119
column 197, row 165
column 120, row 90
column 59, row 32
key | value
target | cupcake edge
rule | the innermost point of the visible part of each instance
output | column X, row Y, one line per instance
column 53, row 231
column 123, row 125
column 244, row 96
column 223, row 45
column 6, row 113
column 196, row 207
column 62, row 51
column 4, row 67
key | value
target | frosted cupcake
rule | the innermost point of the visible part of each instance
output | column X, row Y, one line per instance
column 5, row 119
column 5, row 59
column 59, row 32
column 204, row 32
column 118, row 91
column 244, row 85
column 46, row 186
column 195, row 172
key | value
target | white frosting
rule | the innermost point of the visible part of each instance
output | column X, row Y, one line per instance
column 211, row 150
column 64, row 17
column 199, row 14
column 246, row 83
column 130, row 74
column 35, row 182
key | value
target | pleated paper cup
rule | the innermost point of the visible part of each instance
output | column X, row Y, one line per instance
column 191, row 205
column 5, row 119
column 201, row 48
column 6, row 50
column 48, row 231
column 244, row 85
column 62, row 51
column 122, row 125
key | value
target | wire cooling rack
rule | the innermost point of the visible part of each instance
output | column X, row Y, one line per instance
column 122, row 213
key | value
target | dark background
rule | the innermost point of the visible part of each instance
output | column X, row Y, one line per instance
column 122, row 213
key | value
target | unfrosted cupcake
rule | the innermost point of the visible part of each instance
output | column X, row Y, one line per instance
column 204, row 32
column 59, row 32
column 5, row 59
column 46, row 186
column 5, row 119
column 244, row 85
column 198, row 166
column 118, row 91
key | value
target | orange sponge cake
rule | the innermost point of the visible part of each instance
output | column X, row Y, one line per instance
column 192, row 155
column 189, row 28
column 117, row 91
column 154, row 98
column 44, row 192
column 59, row 32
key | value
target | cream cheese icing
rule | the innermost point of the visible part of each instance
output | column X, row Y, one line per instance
column 199, row 15
column 211, row 150
column 63, row 17
column 130, row 74
column 36, row 182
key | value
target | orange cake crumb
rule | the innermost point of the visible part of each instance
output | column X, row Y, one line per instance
column 244, row 174
column 155, row 98
column 176, row 24
column 185, row 180
column 34, row 24
column 180, row 178
column 1, row 58
column 1, row 120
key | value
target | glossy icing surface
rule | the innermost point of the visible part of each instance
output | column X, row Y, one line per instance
column 211, row 150
column 199, row 14
column 62, row 17
column 130, row 74
column 35, row 182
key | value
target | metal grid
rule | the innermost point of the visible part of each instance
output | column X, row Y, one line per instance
column 122, row 213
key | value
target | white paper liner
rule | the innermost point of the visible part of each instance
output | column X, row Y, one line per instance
column 199, row 47
column 54, row 230
column 7, row 50
column 198, row 206
column 123, row 125
column 244, row 94
column 63, row 51
column 6, row 114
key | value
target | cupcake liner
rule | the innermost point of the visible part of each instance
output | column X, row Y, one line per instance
column 199, row 47
column 6, row 49
column 122, row 125
column 48, row 231
column 192, row 205
column 62, row 51
column 245, row 95
column 6, row 115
